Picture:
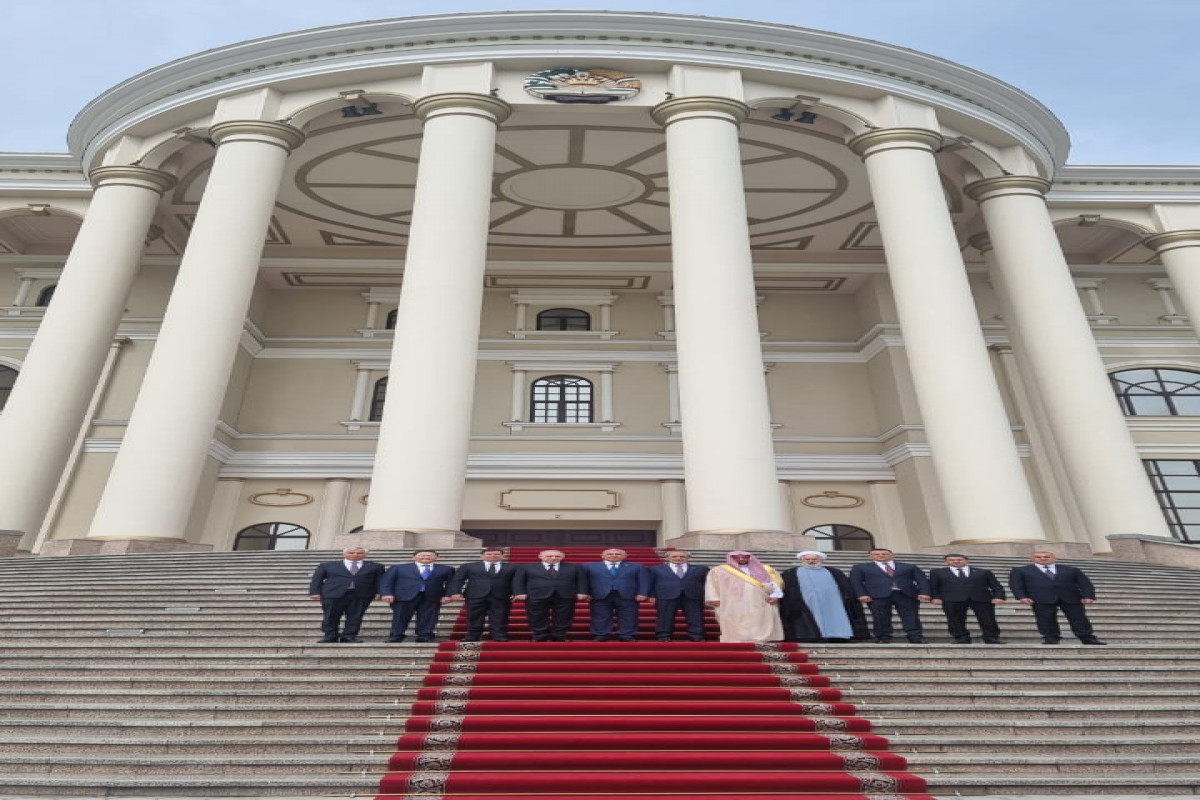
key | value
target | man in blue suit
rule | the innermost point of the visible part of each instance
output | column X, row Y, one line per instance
column 678, row 585
column 885, row 584
column 415, row 589
column 345, row 589
column 1049, row 587
column 616, row 587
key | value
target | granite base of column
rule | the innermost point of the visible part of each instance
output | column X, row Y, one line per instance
column 1068, row 551
column 116, row 547
column 401, row 539
column 742, row 540
column 10, row 543
column 1154, row 550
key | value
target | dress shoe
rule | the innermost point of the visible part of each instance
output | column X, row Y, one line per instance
column 1092, row 640
column 625, row 639
column 352, row 640
column 993, row 641
column 541, row 638
column 328, row 640
column 558, row 638
column 662, row 638
column 499, row 638
column 395, row 639
column 882, row 640
column 695, row 638
column 426, row 639
column 1049, row 640
column 964, row 640
column 917, row 640
column 599, row 638
column 472, row 638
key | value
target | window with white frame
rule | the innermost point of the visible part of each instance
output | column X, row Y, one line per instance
column 1155, row 391
column 561, row 398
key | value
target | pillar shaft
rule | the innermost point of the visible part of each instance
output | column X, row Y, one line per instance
column 424, row 438
column 974, row 455
column 728, row 452
column 1180, row 254
column 1099, row 455
column 46, row 409
column 158, row 468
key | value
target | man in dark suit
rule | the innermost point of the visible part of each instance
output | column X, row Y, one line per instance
column 345, row 589
column 958, row 586
column 885, row 584
column 1048, row 587
column 487, row 587
column 549, row 590
column 678, row 585
column 415, row 589
column 616, row 588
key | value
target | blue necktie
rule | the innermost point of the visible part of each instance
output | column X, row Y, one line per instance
column 612, row 570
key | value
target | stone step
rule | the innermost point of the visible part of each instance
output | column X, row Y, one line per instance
column 161, row 786
column 124, row 726
column 211, row 710
column 1092, row 784
column 350, row 746
column 1058, row 764
column 1068, row 747
column 1182, row 724
column 193, row 766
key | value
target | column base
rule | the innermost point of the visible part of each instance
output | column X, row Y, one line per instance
column 10, row 543
column 115, row 547
column 406, row 540
column 742, row 540
column 1068, row 551
column 1154, row 550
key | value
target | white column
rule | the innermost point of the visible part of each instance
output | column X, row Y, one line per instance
column 667, row 301
column 47, row 406
column 674, row 510
column 606, row 396
column 672, row 392
column 372, row 320
column 728, row 452
column 222, row 511
column 974, row 454
column 421, row 461
column 362, row 384
column 1162, row 287
column 332, row 515
column 789, row 509
column 1097, row 449
column 24, row 286
column 518, row 395
column 1180, row 254
column 158, row 468
column 1089, row 291
column 606, row 316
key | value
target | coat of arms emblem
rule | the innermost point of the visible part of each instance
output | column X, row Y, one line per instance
column 570, row 85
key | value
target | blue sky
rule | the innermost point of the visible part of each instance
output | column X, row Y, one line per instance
column 1123, row 76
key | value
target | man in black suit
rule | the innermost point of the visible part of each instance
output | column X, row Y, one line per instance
column 345, row 589
column 416, row 589
column 1048, row 587
column 549, row 589
column 675, row 586
column 885, row 584
column 487, row 587
column 957, row 587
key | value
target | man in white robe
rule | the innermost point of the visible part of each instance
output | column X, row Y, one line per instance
column 745, row 594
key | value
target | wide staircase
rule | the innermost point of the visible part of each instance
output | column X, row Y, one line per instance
column 200, row 675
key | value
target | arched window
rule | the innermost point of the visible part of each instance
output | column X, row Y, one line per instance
column 389, row 323
column 841, row 537
column 1155, row 392
column 561, row 398
column 377, row 398
column 1177, row 485
column 564, row 319
column 46, row 295
column 272, row 536
column 8, row 376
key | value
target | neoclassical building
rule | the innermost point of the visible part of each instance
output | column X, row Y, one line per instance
column 559, row 277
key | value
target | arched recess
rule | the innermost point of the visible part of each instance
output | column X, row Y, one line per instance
column 48, row 227
column 1103, row 239
column 852, row 123
column 383, row 103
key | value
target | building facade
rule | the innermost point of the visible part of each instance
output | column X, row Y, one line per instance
column 552, row 277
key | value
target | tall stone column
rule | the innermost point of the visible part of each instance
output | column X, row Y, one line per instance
column 158, row 468
column 728, row 452
column 975, row 458
column 46, row 409
column 1180, row 254
column 1101, row 461
column 331, row 521
column 424, row 438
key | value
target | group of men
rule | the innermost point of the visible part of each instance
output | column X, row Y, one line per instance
column 751, row 600
column 549, row 589
column 822, row 603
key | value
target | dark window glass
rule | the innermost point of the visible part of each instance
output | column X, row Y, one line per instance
column 841, row 537
column 1177, row 487
column 561, row 398
column 377, row 399
column 390, row 323
column 8, row 376
column 1158, row 392
column 564, row 319
column 46, row 295
column 272, row 536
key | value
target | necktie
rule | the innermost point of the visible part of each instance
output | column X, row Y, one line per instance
column 491, row 570
column 553, row 568
column 679, row 570
column 425, row 573
column 889, row 570
column 612, row 569
column 1049, row 571
column 354, row 565
column 959, row 572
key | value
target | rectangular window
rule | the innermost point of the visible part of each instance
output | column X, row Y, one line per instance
column 1175, row 484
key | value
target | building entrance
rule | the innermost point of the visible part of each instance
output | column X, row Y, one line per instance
column 565, row 538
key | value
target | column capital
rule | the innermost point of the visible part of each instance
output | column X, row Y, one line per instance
column 1171, row 240
column 980, row 241
column 485, row 105
column 274, row 133
column 872, row 142
column 142, row 177
column 1004, row 185
column 723, row 108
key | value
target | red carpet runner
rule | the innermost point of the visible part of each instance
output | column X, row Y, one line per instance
column 635, row 721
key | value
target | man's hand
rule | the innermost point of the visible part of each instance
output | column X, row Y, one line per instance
column 866, row 598
column 937, row 601
column 713, row 603
column 1087, row 600
column 1027, row 601
column 996, row 601
column 583, row 597
column 520, row 597
column 388, row 598
column 314, row 597
column 641, row 598
column 924, row 598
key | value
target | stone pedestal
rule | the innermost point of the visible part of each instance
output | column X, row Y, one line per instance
column 9, row 543
column 1067, row 551
column 406, row 540
column 1154, row 550
column 754, row 541
column 117, row 547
